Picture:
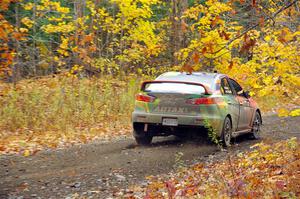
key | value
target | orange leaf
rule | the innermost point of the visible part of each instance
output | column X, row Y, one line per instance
column 230, row 65
column 92, row 48
column 196, row 57
column 215, row 21
column 210, row 46
column 247, row 45
column 246, row 37
column 204, row 50
column 88, row 38
column 22, row 186
column 184, row 26
column 35, row 151
column 17, row 35
column 282, row 35
column 226, row 35
column 2, row 148
column 261, row 21
column 187, row 68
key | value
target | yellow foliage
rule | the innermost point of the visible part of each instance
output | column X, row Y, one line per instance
column 23, row 30
column 271, row 70
column 63, row 47
column 62, row 27
column 283, row 112
column 295, row 113
column 75, row 70
column 26, row 153
column 265, row 59
column 27, row 22
column 64, row 43
column 28, row 6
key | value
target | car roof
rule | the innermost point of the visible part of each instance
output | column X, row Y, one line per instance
column 196, row 77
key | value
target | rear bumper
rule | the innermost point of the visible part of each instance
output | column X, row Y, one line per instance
column 214, row 121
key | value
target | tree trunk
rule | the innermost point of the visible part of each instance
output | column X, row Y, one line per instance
column 177, row 35
column 34, row 49
column 15, row 68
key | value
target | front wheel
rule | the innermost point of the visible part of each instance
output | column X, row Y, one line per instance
column 255, row 133
column 226, row 133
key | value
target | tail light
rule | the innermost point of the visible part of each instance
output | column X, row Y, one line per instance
column 198, row 101
column 144, row 98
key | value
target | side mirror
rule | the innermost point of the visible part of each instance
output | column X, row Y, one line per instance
column 247, row 94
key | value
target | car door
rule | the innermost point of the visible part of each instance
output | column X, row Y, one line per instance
column 244, row 104
column 233, row 104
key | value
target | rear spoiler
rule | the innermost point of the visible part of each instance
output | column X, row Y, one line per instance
column 206, row 89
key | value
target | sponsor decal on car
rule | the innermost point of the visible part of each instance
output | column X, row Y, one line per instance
column 166, row 109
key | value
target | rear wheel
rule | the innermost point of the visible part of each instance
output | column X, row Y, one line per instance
column 145, row 140
column 142, row 138
column 255, row 133
column 226, row 133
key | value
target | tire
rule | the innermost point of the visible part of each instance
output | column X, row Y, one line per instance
column 143, row 140
column 257, row 122
column 226, row 133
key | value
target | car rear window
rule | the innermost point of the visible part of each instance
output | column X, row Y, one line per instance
column 174, row 88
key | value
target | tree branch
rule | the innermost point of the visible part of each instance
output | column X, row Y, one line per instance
column 257, row 24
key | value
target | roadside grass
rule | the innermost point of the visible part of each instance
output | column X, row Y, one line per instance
column 267, row 171
column 54, row 111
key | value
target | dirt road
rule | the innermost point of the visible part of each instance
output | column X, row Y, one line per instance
column 100, row 170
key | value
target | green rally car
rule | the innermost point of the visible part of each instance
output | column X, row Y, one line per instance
column 174, row 101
